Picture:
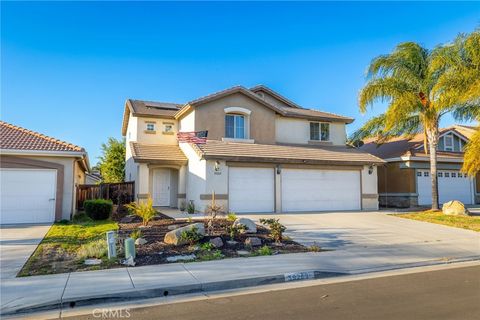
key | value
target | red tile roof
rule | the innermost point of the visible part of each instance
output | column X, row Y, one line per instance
column 17, row 138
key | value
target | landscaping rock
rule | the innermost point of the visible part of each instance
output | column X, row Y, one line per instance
column 181, row 258
column 217, row 242
column 127, row 219
column 250, row 226
column 243, row 252
column 92, row 262
column 140, row 241
column 232, row 243
column 253, row 242
column 455, row 208
column 173, row 237
column 172, row 227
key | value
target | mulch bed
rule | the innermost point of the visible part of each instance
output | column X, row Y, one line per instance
column 155, row 251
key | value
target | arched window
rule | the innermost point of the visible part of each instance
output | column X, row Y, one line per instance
column 237, row 123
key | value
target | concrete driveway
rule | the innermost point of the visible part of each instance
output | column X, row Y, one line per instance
column 17, row 243
column 380, row 235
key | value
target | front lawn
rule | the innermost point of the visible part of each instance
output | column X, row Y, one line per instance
column 58, row 251
column 465, row 222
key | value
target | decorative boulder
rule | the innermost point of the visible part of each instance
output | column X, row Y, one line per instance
column 173, row 237
column 253, row 242
column 140, row 241
column 217, row 242
column 250, row 226
column 455, row 208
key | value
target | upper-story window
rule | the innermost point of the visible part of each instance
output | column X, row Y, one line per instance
column 150, row 127
column 235, row 126
column 448, row 142
column 167, row 128
column 319, row 131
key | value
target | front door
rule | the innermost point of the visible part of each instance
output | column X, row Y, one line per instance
column 161, row 187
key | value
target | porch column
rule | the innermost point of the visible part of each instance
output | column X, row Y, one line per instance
column 182, row 186
column 143, row 183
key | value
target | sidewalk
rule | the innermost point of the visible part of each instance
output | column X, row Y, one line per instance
column 82, row 288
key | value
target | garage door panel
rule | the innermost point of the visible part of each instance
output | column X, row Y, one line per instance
column 452, row 185
column 320, row 190
column 27, row 196
column 251, row 190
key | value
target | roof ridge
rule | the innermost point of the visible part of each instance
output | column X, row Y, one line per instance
column 41, row 135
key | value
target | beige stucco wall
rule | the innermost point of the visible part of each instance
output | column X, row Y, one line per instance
column 211, row 116
column 297, row 131
column 187, row 122
column 159, row 137
column 369, row 188
column 272, row 100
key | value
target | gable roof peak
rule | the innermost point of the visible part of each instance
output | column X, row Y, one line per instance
column 261, row 87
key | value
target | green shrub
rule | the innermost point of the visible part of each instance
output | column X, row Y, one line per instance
column 137, row 233
column 211, row 255
column 231, row 217
column 207, row 246
column 235, row 230
column 276, row 228
column 264, row 251
column 191, row 235
column 93, row 249
column 81, row 217
column 98, row 209
column 191, row 207
column 143, row 209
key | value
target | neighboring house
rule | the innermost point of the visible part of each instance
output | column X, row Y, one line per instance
column 93, row 177
column 405, row 181
column 264, row 153
column 38, row 175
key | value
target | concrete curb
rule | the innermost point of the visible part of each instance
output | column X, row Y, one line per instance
column 156, row 292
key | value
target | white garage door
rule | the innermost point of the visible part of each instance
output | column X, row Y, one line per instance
column 27, row 196
column 320, row 190
column 452, row 185
column 251, row 189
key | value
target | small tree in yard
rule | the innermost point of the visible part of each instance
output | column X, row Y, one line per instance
column 418, row 85
column 143, row 209
column 112, row 161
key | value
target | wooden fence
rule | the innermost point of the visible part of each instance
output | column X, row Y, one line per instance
column 119, row 193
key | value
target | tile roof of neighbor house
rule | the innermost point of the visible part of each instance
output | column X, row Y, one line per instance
column 17, row 138
column 175, row 110
column 145, row 152
column 400, row 146
column 215, row 149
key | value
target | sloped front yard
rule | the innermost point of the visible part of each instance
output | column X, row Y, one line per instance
column 67, row 245
column 464, row 222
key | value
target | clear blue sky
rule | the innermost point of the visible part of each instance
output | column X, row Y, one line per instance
column 67, row 68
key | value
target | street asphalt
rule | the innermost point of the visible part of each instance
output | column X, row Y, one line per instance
column 442, row 294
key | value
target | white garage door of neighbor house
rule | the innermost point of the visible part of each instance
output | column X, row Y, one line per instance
column 452, row 185
column 27, row 196
column 251, row 189
column 320, row 190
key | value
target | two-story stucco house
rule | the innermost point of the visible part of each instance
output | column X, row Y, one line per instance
column 264, row 153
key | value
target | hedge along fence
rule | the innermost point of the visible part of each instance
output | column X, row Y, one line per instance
column 119, row 193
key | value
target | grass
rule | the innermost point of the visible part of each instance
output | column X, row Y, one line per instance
column 465, row 222
column 59, row 250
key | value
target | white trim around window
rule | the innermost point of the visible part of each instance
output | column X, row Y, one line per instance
column 238, row 110
column 319, row 131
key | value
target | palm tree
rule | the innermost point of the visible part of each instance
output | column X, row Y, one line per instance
column 407, row 80
column 459, row 66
